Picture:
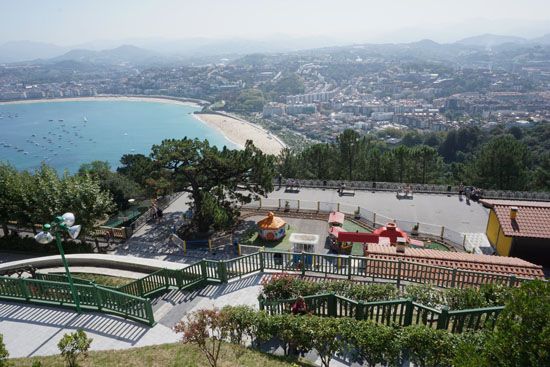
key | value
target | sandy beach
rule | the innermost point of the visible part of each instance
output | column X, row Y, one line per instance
column 103, row 98
column 239, row 131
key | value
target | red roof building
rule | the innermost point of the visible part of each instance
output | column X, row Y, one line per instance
column 459, row 260
column 520, row 229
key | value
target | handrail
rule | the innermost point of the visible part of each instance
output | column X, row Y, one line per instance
column 399, row 311
column 55, row 289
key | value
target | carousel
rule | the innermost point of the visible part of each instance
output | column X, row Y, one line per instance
column 271, row 228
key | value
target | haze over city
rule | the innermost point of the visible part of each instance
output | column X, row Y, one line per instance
column 70, row 23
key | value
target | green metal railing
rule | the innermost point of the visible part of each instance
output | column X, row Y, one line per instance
column 131, row 300
column 399, row 312
column 91, row 297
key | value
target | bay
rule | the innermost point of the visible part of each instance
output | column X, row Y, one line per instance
column 66, row 134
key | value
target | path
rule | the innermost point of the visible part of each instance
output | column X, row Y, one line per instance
column 32, row 330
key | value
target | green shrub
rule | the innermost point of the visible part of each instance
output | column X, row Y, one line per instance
column 3, row 352
column 428, row 347
column 522, row 334
column 28, row 244
column 424, row 294
column 460, row 299
column 286, row 286
column 470, row 350
column 240, row 322
column 74, row 345
column 323, row 334
column 370, row 343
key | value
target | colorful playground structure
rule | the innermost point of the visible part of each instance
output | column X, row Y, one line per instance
column 343, row 242
column 271, row 228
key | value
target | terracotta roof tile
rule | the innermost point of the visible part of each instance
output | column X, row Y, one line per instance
column 532, row 220
column 485, row 263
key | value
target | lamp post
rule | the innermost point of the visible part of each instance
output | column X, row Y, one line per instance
column 64, row 223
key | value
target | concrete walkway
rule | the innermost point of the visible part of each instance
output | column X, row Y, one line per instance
column 32, row 330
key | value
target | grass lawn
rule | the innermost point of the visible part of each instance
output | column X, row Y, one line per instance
column 280, row 245
column 349, row 226
column 175, row 355
column 100, row 279
column 432, row 245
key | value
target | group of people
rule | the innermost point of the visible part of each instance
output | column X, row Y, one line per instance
column 156, row 212
column 471, row 192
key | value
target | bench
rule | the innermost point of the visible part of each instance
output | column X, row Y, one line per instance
column 347, row 192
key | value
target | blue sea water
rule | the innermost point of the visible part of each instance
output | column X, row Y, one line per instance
column 113, row 128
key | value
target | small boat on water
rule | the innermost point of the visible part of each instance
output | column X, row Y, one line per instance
column 85, row 119
column 50, row 120
column 60, row 120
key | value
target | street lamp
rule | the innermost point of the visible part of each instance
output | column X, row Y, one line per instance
column 64, row 223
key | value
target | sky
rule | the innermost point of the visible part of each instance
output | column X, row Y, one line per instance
column 69, row 22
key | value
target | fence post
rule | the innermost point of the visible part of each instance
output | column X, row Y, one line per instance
column 332, row 305
column 239, row 249
column 512, row 281
column 360, row 313
column 303, row 262
column 98, row 299
column 453, row 278
column 398, row 273
column 443, row 321
column 261, row 301
column 204, row 272
column 262, row 264
column 442, row 231
column 222, row 271
column 166, row 280
column 24, row 289
column 349, row 267
column 140, row 287
column 409, row 310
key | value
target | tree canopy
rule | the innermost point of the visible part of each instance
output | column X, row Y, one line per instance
column 217, row 180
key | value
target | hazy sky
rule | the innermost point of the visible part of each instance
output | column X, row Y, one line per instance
column 75, row 21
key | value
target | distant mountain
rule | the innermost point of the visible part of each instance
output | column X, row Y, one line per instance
column 126, row 54
column 490, row 40
column 26, row 50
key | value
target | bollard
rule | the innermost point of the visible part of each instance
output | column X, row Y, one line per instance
column 442, row 231
column 318, row 206
column 374, row 219
column 185, row 247
column 239, row 249
column 210, row 245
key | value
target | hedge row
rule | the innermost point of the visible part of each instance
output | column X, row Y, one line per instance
column 286, row 286
column 28, row 244
column 363, row 342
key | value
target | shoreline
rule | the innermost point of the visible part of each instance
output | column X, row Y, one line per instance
column 234, row 129
column 238, row 131
column 107, row 97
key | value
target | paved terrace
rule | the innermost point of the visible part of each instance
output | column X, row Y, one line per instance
column 152, row 240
